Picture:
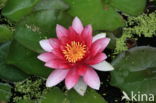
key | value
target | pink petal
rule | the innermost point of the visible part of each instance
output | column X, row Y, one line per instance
column 57, row 64
column 46, row 45
column 99, row 45
column 77, row 25
column 58, row 54
column 71, row 79
column 92, row 79
column 87, row 34
column 99, row 57
column 99, row 36
column 54, row 43
column 45, row 57
column 82, row 69
column 56, row 77
column 61, row 31
column 73, row 35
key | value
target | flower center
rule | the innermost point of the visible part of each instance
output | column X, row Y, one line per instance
column 74, row 51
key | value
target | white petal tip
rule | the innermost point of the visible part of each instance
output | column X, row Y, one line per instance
column 76, row 18
column 45, row 45
column 103, row 66
column 96, row 87
column 108, row 39
column 81, row 92
column 39, row 57
column 77, row 21
column 68, row 88
column 41, row 42
column 111, row 69
column 77, row 25
column 49, row 85
column 58, row 26
column 99, row 36
column 81, row 87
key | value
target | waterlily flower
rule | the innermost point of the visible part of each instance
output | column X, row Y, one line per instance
column 75, row 55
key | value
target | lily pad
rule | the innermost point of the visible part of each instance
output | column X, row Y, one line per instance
column 5, row 33
column 102, row 14
column 135, row 70
column 26, row 60
column 46, row 15
column 90, row 97
column 16, row 9
column 100, row 17
column 9, row 72
column 5, row 92
column 41, row 23
column 54, row 95
column 25, row 101
column 131, row 7
column 29, row 36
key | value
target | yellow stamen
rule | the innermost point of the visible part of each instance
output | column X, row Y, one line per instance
column 74, row 51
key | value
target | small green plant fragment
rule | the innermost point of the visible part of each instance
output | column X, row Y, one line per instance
column 143, row 25
column 2, row 3
column 33, row 90
column 30, row 89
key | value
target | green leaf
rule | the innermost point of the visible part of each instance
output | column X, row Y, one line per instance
column 26, row 60
column 102, row 14
column 93, row 12
column 47, row 11
column 5, row 33
column 41, row 23
column 16, row 9
column 9, row 72
column 51, row 4
column 135, row 70
column 131, row 7
column 29, row 36
column 113, row 40
column 54, row 95
column 5, row 92
column 25, row 101
column 90, row 97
